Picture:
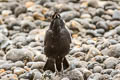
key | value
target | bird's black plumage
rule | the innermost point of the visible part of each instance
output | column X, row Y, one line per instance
column 56, row 44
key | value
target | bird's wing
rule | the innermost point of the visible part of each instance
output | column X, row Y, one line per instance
column 48, row 36
column 68, row 34
column 65, row 33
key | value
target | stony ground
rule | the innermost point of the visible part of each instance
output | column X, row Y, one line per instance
column 95, row 48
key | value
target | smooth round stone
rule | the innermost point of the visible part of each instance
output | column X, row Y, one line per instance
column 68, row 15
column 100, row 12
column 85, row 16
column 102, row 24
column 19, row 10
column 110, row 62
column 118, row 30
column 116, row 15
column 37, row 75
column 114, row 50
column 19, row 71
column 75, row 75
column 19, row 55
column 65, row 78
column 27, row 75
column 40, row 57
column 110, row 33
column 27, row 26
column 93, row 3
column 116, row 77
column 6, row 12
column 7, row 66
column 91, row 53
column 37, row 65
column 115, row 72
column 10, row 76
column 19, row 64
column 86, row 72
column 95, row 76
column 74, row 25
column 97, row 69
column 4, row 41
column 100, row 31
column 97, row 19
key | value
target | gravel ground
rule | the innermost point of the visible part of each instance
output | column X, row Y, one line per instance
column 95, row 48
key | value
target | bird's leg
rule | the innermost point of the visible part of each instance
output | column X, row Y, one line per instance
column 62, row 66
column 56, row 71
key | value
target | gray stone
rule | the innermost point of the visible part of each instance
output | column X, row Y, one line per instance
column 10, row 76
column 110, row 62
column 18, row 71
column 7, row 66
column 37, row 75
column 40, row 57
column 97, row 69
column 75, row 75
column 97, row 19
column 37, row 65
column 93, row 33
column 4, row 41
column 19, row 10
column 110, row 33
column 115, row 72
column 118, row 30
column 95, row 76
column 116, row 15
column 93, row 3
column 19, row 64
column 85, row 72
column 26, row 26
column 19, row 54
column 68, row 15
column 116, row 77
column 114, row 50
column 102, row 24
column 3, row 29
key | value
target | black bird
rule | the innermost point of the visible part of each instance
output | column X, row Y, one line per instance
column 57, row 44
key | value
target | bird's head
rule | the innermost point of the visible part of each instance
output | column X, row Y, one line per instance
column 57, row 23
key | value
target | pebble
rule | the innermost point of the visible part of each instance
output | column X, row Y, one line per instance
column 97, row 69
column 93, row 3
column 4, row 41
column 117, row 30
column 111, row 62
column 18, row 71
column 95, row 76
column 40, row 57
column 116, row 15
column 92, row 53
column 19, row 64
column 68, row 15
column 19, row 54
column 9, row 76
column 37, row 65
column 102, row 24
column 75, row 74
column 113, row 50
column 19, row 10
column 7, row 66
column 27, row 26
column 116, row 77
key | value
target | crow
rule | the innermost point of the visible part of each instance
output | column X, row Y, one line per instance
column 57, row 45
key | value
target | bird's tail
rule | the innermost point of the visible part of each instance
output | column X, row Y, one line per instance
column 50, row 64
